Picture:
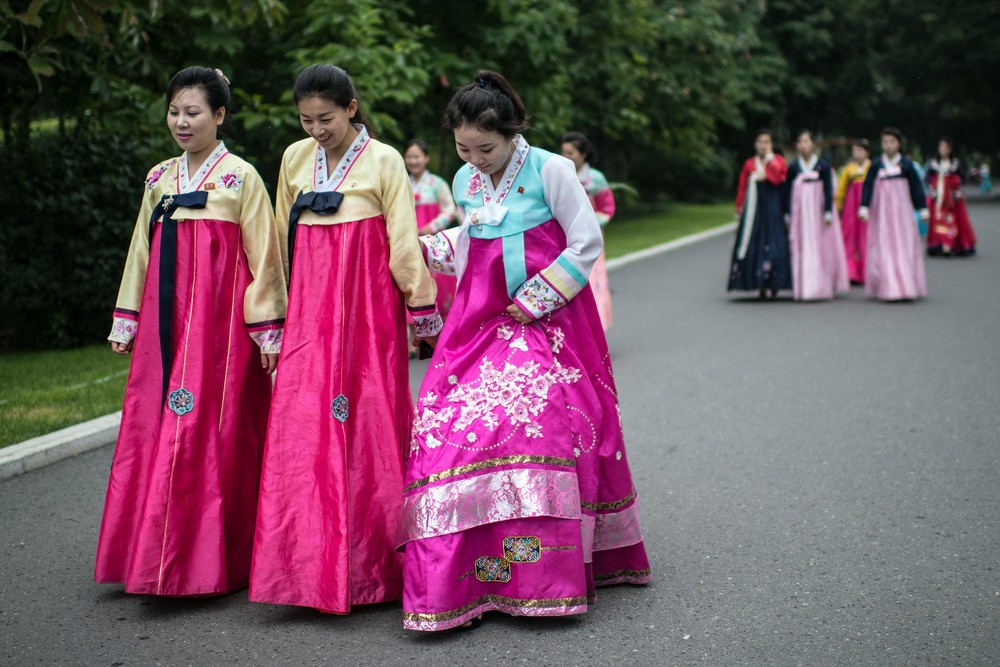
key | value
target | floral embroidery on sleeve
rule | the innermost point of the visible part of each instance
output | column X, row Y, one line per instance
column 231, row 181
column 268, row 340
column 440, row 257
column 123, row 330
column 154, row 176
column 538, row 298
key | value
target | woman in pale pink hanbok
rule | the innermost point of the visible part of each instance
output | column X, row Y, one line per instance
column 577, row 148
column 518, row 495
column 894, row 269
column 819, row 267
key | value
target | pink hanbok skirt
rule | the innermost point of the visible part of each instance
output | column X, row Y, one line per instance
column 340, row 422
column 519, row 496
column 602, row 291
column 182, row 497
column 819, row 269
column 895, row 263
column 855, row 232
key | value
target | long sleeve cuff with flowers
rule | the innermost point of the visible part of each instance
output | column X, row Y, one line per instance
column 439, row 252
column 550, row 289
column 124, row 326
column 427, row 322
column 267, row 335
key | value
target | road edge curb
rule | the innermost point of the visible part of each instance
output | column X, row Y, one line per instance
column 54, row 447
column 90, row 435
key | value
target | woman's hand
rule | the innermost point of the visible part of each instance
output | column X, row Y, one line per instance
column 122, row 348
column 268, row 362
column 519, row 315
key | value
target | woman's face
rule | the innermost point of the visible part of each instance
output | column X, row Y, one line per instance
column 944, row 150
column 763, row 145
column 571, row 152
column 890, row 145
column 487, row 151
column 416, row 161
column 859, row 154
column 192, row 122
column 327, row 122
column 804, row 144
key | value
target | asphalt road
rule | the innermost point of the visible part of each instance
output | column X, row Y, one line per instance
column 819, row 485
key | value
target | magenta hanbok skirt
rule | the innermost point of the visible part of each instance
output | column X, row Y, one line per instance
column 332, row 476
column 518, row 496
column 819, row 269
column 855, row 232
column 182, row 497
column 895, row 262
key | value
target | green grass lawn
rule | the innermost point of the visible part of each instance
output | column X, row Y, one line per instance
column 42, row 392
column 643, row 226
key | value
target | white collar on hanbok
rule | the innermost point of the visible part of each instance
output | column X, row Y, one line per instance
column 186, row 184
column 584, row 175
column 893, row 161
column 810, row 165
column 328, row 183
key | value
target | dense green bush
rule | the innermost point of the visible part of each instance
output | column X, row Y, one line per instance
column 66, row 229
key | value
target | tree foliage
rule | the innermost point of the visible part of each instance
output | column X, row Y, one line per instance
column 670, row 91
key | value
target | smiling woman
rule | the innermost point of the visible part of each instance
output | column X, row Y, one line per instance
column 332, row 475
column 201, row 307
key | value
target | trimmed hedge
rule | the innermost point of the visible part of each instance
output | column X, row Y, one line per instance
column 68, row 209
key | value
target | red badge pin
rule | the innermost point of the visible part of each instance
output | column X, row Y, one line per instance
column 520, row 191
column 209, row 186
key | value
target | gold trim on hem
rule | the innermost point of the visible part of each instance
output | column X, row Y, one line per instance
column 417, row 617
column 624, row 573
column 595, row 507
column 492, row 463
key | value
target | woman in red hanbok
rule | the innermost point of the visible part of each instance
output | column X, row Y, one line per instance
column 950, row 231
column 201, row 308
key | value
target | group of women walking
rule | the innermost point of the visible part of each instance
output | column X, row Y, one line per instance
column 796, row 233
column 506, row 487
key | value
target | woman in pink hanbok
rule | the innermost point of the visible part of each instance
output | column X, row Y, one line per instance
column 855, row 231
column 518, row 495
column 894, row 269
column 201, row 308
column 578, row 149
column 340, row 422
column 435, row 210
column 819, row 269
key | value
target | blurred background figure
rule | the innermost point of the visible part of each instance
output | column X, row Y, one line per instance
column 950, row 231
column 578, row 148
column 819, row 270
column 848, row 201
column 760, row 255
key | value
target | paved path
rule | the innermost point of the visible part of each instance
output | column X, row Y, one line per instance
column 819, row 486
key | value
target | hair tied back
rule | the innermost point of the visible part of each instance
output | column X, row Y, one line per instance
column 481, row 83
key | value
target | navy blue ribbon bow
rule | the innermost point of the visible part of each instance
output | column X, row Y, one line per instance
column 320, row 203
column 168, row 268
